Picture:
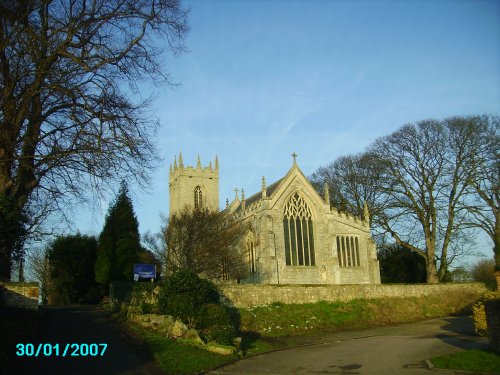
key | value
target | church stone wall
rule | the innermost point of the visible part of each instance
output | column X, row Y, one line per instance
column 255, row 295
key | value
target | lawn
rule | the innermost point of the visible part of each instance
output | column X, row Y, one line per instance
column 476, row 360
column 175, row 357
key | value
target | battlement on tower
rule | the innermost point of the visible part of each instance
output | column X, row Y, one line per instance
column 193, row 186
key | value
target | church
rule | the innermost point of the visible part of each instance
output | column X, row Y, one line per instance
column 296, row 236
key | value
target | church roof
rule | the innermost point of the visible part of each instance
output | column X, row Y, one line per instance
column 258, row 196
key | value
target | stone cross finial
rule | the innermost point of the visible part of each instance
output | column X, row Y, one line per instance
column 294, row 156
column 236, row 192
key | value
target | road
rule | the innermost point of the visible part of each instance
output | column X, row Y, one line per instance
column 87, row 324
column 398, row 350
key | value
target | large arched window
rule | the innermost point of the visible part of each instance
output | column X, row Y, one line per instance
column 198, row 198
column 298, row 230
column 251, row 252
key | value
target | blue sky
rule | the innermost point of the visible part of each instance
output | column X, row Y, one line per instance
column 264, row 79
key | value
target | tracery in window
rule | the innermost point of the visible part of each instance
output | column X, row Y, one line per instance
column 198, row 198
column 298, row 232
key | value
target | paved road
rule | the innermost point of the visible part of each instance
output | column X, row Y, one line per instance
column 394, row 350
column 88, row 324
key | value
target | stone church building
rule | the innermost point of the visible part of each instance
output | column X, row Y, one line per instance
column 296, row 237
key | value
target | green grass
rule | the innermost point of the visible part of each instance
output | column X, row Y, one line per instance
column 175, row 357
column 278, row 319
column 475, row 360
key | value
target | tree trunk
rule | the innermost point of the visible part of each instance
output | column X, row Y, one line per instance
column 432, row 274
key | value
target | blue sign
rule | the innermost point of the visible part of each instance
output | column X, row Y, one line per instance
column 144, row 271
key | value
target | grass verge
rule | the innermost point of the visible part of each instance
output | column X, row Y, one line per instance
column 476, row 360
column 175, row 357
column 278, row 319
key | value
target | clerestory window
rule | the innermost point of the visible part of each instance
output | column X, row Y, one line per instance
column 298, row 232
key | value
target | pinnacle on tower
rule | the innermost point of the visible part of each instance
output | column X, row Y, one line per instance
column 198, row 163
column 216, row 162
column 264, row 188
column 175, row 163
column 181, row 164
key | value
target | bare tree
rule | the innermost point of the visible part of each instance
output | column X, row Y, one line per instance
column 484, row 271
column 68, row 121
column 207, row 243
column 426, row 180
column 484, row 206
column 417, row 183
column 352, row 181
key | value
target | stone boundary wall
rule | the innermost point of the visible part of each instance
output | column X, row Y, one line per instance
column 254, row 295
column 19, row 294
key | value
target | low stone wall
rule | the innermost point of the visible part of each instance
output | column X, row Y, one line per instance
column 254, row 295
column 19, row 294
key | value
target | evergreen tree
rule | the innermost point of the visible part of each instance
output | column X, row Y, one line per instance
column 119, row 242
column 400, row 265
column 71, row 268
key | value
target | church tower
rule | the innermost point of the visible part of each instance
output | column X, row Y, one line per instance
column 196, row 187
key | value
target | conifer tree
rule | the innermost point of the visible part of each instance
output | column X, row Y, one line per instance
column 119, row 242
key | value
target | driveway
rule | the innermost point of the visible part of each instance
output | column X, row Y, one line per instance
column 88, row 325
column 395, row 350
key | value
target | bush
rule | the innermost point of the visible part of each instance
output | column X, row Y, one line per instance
column 216, row 324
column 184, row 293
column 479, row 314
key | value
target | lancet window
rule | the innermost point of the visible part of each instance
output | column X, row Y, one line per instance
column 198, row 198
column 298, row 232
column 251, row 252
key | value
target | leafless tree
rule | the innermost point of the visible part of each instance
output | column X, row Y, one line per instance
column 484, row 206
column 72, row 116
column 418, row 185
column 352, row 181
column 206, row 242
column 426, row 180
column 484, row 271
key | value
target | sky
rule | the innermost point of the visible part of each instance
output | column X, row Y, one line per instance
column 263, row 79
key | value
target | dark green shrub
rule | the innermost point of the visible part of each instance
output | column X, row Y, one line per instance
column 216, row 324
column 211, row 315
column 184, row 293
column 221, row 334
